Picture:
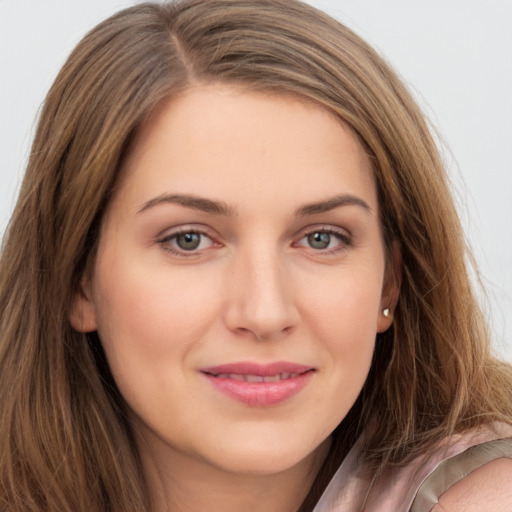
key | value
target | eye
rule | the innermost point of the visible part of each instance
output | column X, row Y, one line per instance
column 325, row 239
column 319, row 240
column 186, row 242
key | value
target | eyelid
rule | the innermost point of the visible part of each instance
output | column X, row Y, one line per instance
column 164, row 239
column 344, row 236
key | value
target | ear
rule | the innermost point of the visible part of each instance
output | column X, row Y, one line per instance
column 82, row 315
column 390, row 288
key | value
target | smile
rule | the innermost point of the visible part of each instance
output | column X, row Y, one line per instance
column 259, row 385
column 257, row 378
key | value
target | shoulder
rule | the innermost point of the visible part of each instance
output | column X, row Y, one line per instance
column 472, row 473
column 487, row 488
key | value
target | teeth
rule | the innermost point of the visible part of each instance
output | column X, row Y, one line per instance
column 236, row 376
column 254, row 378
column 257, row 378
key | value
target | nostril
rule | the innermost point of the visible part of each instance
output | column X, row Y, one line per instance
column 263, row 335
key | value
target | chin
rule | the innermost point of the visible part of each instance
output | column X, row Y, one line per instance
column 263, row 458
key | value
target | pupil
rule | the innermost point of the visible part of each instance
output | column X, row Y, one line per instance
column 188, row 241
column 319, row 240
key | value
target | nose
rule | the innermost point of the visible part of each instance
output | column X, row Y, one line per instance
column 261, row 299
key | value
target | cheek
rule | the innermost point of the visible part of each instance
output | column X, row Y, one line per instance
column 144, row 311
column 348, row 303
column 343, row 320
column 150, row 321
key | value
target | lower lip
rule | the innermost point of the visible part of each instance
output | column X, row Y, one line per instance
column 261, row 394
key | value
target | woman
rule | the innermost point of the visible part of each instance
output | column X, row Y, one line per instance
column 235, row 267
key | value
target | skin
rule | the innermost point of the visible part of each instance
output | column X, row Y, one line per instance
column 254, row 290
column 487, row 488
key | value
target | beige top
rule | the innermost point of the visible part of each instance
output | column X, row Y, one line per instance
column 417, row 486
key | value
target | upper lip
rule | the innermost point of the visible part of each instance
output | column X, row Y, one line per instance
column 263, row 370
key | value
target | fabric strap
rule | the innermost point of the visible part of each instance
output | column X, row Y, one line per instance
column 455, row 469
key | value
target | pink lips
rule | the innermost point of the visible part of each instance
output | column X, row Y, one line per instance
column 259, row 385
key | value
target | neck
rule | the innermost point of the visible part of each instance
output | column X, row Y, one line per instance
column 180, row 483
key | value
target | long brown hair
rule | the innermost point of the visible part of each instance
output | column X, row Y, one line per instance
column 65, row 443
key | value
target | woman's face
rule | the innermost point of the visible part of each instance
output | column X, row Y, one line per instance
column 239, row 281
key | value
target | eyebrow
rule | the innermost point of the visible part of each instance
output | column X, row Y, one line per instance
column 189, row 201
column 331, row 204
column 221, row 208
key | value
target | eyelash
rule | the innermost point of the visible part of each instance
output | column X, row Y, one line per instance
column 344, row 239
column 165, row 242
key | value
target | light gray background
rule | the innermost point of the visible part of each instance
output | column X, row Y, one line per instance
column 456, row 55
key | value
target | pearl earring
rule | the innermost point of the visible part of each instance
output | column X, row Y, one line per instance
column 386, row 312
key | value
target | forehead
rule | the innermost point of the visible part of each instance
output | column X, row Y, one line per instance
column 224, row 141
